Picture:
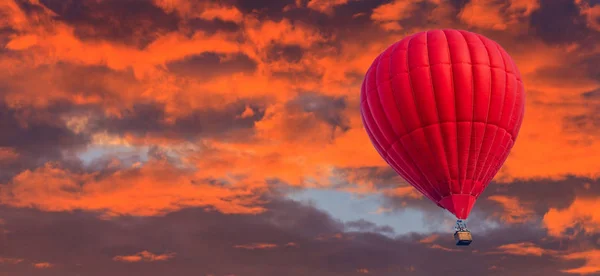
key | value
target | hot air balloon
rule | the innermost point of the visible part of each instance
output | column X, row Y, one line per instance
column 444, row 108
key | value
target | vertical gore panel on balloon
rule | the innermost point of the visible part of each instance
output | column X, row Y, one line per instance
column 441, row 73
column 380, row 119
column 463, row 77
column 497, row 153
column 365, row 114
column 416, row 145
column 386, row 96
column 420, row 77
column 503, row 150
column 450, row 143
column 374, row 131
column 491, row 156
column 402, row 164
column 518, row 111
column 374, row 102
column 443, row 86
column 415, row 177
column 508, row 110
column 404, row 93
column 498, row 95
column 521, row 112
column 498, row 83
column 370, row 118
column 439, row 168
column 511, row 86
column 489, row 134
column 482, row 90
column 463, row 87
column 398, row 57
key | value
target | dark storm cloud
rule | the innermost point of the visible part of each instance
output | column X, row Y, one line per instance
column 298, row 75
column 134, row 22
column 559, row 21
column 289, row 53
column 99, row 81
column 591, row 65
column 150, row 119
column 211, row 26
column 588, row 121
column 301, row 241
column 37, row 136
column 326, row 108
column 208, row 65
column 580, row 67
column 592, row 95
column 264, row 7
column 30, row 8
column 367, row 226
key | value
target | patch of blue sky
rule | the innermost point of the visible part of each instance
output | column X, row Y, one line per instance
column 346, row 206
column 127, row 154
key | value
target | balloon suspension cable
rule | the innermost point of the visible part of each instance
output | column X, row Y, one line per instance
column 461, row 226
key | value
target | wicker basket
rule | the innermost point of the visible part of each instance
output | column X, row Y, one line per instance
column 463, row 238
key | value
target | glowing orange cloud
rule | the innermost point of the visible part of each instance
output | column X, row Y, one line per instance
column 8, row 154
column 592, row 262
column 524, row 249
column 514, row 211
column 144, row 256
column 325, row 6
column 253, row 246
column 582, row 213
column 155, row 188
column 44, row 265
column 4, row 260
column 489, row 15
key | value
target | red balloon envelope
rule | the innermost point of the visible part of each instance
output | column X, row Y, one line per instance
column 444, row 108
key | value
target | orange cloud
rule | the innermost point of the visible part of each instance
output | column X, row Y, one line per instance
column 325, row 6
column 514, row 211
column 155, row 188
column 404, row 191
column 144, row 256
column 248, row 112
column 388, row 15
column 253, row 246
column 525, row 249
column 429, row 239
column 223, row 13
column 363, row 271
column 592, row 14
column 43, row 265
column 198, row 9
column 592, row 262
column 581, row 214
column 8, row 154
column 4, row 260
column 483, row 14
column 489, row 15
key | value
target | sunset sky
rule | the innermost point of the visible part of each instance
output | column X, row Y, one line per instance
column 224, row 138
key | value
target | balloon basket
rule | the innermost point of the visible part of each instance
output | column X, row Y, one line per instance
column 462, row 236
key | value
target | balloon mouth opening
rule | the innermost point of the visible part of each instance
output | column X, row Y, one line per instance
column 459, row 205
